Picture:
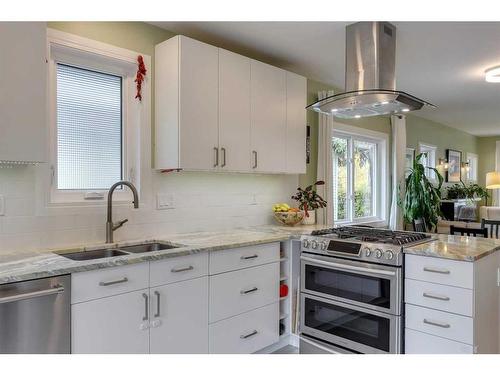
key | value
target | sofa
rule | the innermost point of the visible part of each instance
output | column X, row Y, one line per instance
column 489, row 213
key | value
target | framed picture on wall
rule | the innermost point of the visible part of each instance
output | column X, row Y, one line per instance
column 454, row 172
column 409, row 158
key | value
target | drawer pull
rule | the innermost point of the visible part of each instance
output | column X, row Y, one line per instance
column 254, row 289
column 108, row 283
column 246, row 257
column 182, row 269
column 441, row 325
column 146, row 307
column 157, row 294
column 435, row 296
column 437, row 270
column 249, row 334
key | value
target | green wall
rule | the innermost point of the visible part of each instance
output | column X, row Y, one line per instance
column 443, row 137
column 486, row 152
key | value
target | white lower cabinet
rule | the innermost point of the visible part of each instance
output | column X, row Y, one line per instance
column 116, row 324
column 179, row 318
column 245, row 333
column 422, row 343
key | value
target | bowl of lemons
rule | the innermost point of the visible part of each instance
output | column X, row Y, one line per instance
column 287, row 215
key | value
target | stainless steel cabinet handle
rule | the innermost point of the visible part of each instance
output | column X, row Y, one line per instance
column 216, row 162
column 146, row 306
column 245, row 257
column 442, row 325
column 223, row 157
column 435, row 296
column 249, row 335
column 254, row 289
column 339, row 266
column 182, row 269
column 157, row 294
column 254, row 159
column 39, row 293
column 113, row 282
column 437, row 270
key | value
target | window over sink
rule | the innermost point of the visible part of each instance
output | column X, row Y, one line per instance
column 95, row 120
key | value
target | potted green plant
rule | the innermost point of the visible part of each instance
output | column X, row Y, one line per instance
column 309, row 201
column 463, row 191
column 421, row 199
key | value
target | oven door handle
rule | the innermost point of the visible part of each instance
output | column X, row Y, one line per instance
column 348, row 267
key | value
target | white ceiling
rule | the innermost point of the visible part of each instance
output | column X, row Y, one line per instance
column 441, row 62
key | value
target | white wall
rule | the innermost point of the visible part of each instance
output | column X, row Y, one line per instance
column 204, row 202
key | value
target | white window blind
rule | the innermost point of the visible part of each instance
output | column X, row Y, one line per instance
column 89, row 129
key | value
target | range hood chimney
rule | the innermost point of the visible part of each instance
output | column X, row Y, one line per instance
column 370, row 79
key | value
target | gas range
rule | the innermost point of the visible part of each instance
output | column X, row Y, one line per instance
column 367, row 244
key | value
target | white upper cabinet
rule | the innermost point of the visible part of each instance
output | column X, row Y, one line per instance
column 234, row 111
column 23, row 92
column 220, row 111
column 296, row 101
column 186, row 97
column 268, row 133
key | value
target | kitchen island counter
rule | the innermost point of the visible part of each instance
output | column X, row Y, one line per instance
column 469, row 249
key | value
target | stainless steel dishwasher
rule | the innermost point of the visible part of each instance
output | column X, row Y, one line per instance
column 35, row 316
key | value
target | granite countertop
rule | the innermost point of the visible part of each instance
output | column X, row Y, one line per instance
column 26, row 265
column 461, row 248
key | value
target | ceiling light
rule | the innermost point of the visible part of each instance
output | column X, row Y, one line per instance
column 492, row 74
column 405, row 110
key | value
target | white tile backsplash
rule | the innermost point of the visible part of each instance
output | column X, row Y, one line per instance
column 203, row 202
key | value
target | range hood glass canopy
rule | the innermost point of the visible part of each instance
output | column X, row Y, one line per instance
column 370, row 59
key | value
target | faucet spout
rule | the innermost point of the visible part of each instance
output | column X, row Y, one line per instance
column 110, row 226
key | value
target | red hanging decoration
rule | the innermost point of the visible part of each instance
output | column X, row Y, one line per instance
column 139, row 78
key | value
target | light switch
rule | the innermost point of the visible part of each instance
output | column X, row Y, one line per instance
column 2, row 205
column 165, row 201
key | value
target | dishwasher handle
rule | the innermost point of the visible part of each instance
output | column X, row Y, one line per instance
column 39, row 293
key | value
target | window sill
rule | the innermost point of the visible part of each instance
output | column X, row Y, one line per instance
column 374, row 222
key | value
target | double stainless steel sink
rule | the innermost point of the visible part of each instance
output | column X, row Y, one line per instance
column 114, row 252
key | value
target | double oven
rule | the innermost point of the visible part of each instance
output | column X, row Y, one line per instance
column 348, row 305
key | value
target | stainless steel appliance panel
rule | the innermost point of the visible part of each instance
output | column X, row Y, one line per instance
column 35, row 316
column 372, row 286
column 308, row 345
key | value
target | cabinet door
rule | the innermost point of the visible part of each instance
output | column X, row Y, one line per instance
column 296, row 97
column 23, row 91
column 198, row 113
column 179, row 317
column 117, row 324
column 268, row 118
column 234, row 111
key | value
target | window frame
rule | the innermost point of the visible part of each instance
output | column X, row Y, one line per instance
column 380, row 181
column 87, row 54
column 429, row 150
column 473, row 169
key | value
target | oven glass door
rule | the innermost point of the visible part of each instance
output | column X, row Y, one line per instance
column 346, row 281
column 353, row 328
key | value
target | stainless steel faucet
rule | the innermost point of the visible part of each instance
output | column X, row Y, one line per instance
column 110, row 226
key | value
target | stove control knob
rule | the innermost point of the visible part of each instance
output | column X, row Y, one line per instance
column 323, row 245
column 368, row 251
column 305, row 243
column 389, row 255
column 378, row 253
column 314, row 244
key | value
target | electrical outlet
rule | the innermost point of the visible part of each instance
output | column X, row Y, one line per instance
column 2, row 205
column 165, row 201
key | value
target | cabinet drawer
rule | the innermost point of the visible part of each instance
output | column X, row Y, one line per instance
column 440, row 271
column 244, row 257
column 106, row 282
column 440, row 297
column 233, row 293
column 245, row 333
column 422, row 343
column 439, row 323
column 178, row 269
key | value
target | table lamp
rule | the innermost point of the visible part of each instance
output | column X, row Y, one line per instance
column 492, row 181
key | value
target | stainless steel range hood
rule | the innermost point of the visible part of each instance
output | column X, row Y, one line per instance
column 370, row 80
